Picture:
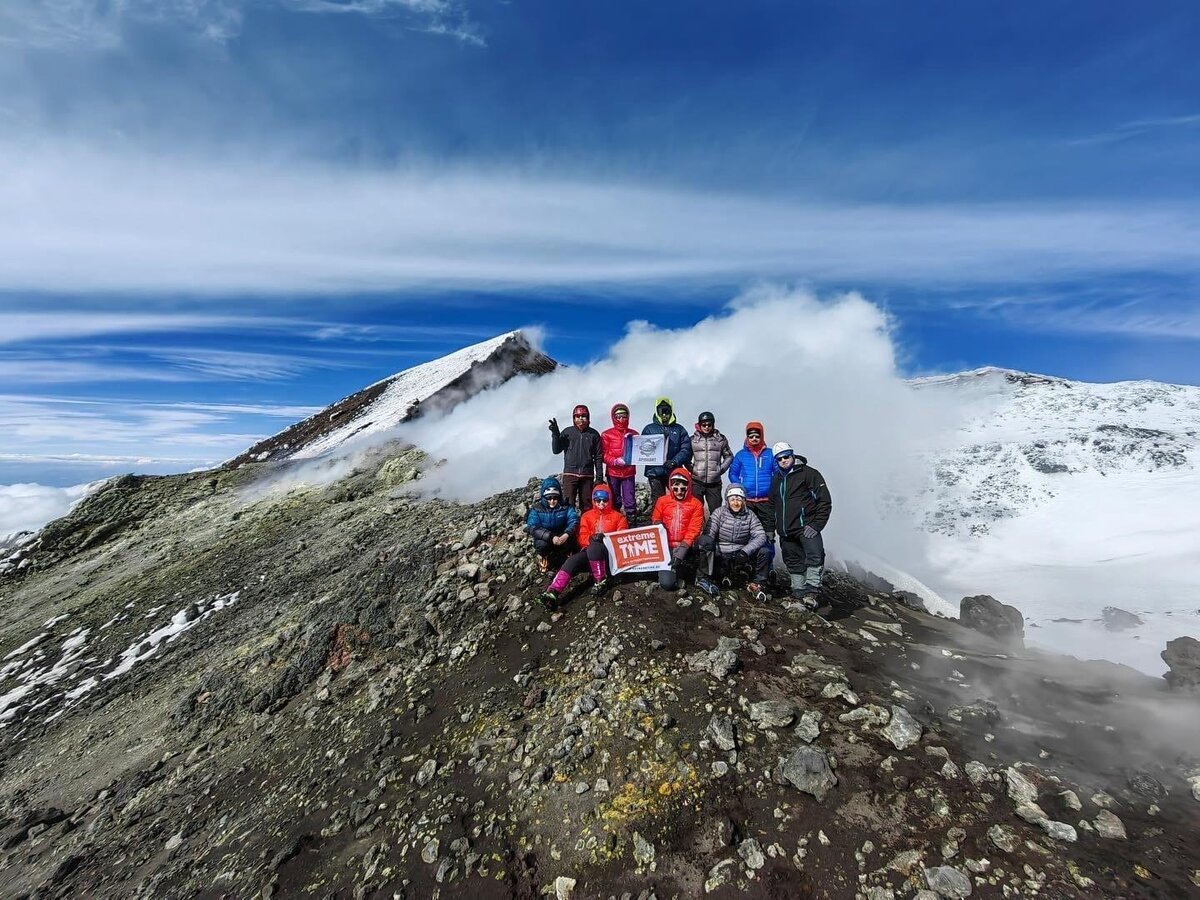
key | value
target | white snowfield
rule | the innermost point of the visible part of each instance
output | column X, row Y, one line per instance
column 415, row 385
column 1062, row 498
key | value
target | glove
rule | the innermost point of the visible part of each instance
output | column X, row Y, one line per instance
column 554, row 426
column 705, row 542
column 680, row 552
column 739, row 558
column 596, row 537
column 810, row 532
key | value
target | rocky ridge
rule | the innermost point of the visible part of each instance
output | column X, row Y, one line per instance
column 348, row 692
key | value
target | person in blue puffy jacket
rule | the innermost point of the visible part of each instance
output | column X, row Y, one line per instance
column 679, row 447
column 753, row 468
column 551, row 524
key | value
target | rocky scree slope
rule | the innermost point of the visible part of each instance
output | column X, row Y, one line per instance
column 348, row 692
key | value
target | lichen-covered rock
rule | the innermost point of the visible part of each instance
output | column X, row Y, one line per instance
column 772, row 713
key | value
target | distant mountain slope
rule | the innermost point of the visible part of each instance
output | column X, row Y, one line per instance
column 434, row 385
column 1031, row 434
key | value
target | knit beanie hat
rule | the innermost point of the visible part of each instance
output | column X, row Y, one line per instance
column 782, row 448
column 581, row 410
column 735, row 490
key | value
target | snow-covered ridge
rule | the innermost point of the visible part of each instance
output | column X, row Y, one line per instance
column 435, row 385
column 1025, row 434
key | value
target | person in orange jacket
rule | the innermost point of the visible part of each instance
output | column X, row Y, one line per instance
column 598, row 521
column 682, row 514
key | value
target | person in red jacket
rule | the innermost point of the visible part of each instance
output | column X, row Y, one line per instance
column 620, row 474
column 598, row 521
column 682, row 514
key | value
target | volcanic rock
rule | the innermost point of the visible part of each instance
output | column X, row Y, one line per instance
column 997, row 620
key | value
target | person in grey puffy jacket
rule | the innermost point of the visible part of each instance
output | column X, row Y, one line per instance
column 711, row 459
column 737, row 541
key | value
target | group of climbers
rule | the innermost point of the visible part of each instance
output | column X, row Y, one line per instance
column 772, row 492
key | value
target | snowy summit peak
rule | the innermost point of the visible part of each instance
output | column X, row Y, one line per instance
column 436, row 385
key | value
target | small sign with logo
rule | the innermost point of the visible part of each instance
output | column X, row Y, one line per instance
column 638, row 549
column 646, row 449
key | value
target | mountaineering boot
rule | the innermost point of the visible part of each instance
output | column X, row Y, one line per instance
column 801, row 592
column 756, row 591
column 543, row 563
column 599, row 576
column 549, row 598
column 706, row 584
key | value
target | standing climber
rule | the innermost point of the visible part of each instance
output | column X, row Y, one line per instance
column 683, row 517
column 802, row 508
column 711, row 458
column 753, row 468
column 620, row 474
column 551, row 524
column 738, row 543
column 599, row 520
column 679, row 447
column 583, row 467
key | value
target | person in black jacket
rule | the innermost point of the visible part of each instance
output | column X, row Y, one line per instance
column 802, row 507
column 583, row 461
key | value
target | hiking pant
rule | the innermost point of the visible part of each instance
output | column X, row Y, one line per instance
column 756, row 567
column 658, row 487
column 550, row 550
column 577, row 490
column 804, row 558
column 708, row 492
column 624, row 495
column 765, row 510
column 681, row 564
column 578, row 562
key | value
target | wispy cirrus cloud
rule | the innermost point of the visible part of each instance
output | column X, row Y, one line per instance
column 88, row 222
column 1138, row 127
column 56, row 24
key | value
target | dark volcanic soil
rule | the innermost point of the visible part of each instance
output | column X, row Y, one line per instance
column 383, row 712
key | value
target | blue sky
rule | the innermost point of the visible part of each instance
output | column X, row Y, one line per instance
column 218, row 214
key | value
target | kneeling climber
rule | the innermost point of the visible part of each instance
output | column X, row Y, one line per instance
column 682, row 515
column 738, row 543
column 551, row 523
column 598, row 521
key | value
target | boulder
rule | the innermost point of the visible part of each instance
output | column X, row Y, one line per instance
column 807, row 769
column 1117, row 619
column 997, row 620
column 1182, row 657
column 903, row 730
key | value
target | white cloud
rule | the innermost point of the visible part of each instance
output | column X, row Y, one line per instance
column 820, row 375
column 93, row 222
column 27, row 507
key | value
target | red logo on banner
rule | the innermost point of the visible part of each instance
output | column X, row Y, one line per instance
column 638, row 549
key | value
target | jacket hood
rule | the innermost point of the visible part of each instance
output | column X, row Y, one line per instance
column 606, row 489
column 548, row 483
column 613, row 413
column 669, row 421
column 761, row 431
column 681, row 471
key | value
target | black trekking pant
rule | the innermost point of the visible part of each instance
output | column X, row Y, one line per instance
column 658, row 487
column 801, row 553
column 755, row 567
column 550, row 550
column 707, row 492
column 578, row 562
